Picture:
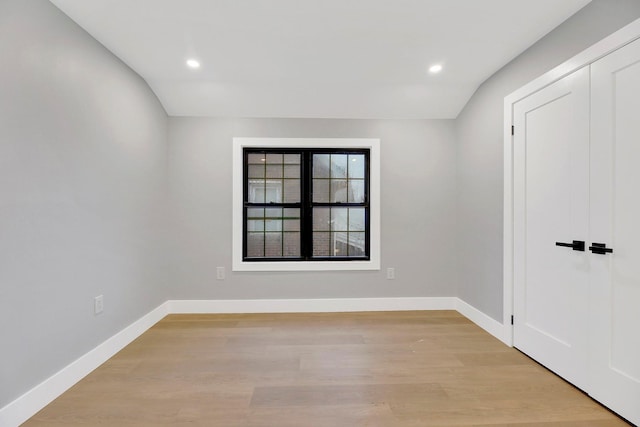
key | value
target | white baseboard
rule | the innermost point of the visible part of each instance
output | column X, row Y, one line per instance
column 311, row 305
column 27, row 405
column 38, row 397
column 492, row 326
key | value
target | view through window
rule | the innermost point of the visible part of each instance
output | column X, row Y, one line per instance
column 306, row 204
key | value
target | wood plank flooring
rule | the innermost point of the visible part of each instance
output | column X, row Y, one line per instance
column 433, row 368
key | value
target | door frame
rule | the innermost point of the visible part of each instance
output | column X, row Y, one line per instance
column 620, row 38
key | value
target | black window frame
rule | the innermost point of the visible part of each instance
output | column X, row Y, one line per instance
column 306, row 204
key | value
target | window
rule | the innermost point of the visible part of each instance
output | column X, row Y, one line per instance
column 303, row 204
column 306, row 204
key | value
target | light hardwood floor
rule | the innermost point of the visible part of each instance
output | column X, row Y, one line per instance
column 433, row 368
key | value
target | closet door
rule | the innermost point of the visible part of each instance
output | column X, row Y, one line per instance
column 551, row 204
column 615, row 210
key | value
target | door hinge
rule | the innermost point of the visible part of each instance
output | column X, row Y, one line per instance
column 513, row 130
column 512, row 319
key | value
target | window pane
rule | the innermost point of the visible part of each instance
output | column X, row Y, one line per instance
column 255, row 225
column 339, row 241
column 321, row 166
column 273, row 213
column 273, row 158
column 274, row 171
column 273, row 219
column 356, row 166
column 292, row 171
column 356, row 191
column 321, row 244
column 291, row 247
column 273, row 225
column 339, row 166
column 291, row 190
column 255, row 244
column 273, row 245
column 339, row 219
column 256, row 158
column 256, row 171
column 356, row 244
column 321, row 219
column 291, row 219
column 256, row 191
column 255, row 213
column 356, row 219
column 292, row 225
column 291, row 213
column 292, row 159
column 338, row 191
column 273, row 189
column 321, row 190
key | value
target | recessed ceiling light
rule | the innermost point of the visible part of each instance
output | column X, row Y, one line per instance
column 193, row 63
column 434, row 69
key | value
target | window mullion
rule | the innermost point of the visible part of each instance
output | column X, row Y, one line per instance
column 307, row 198
column 264, row 192
column 282, row 212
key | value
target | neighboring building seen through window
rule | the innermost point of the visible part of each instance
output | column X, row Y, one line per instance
column 308, row 204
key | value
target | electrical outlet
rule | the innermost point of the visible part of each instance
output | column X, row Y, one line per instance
column 98, row 304
column 220, row 273
column 391, row 273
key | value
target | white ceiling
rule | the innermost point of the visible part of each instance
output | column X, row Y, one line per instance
column 317, row 58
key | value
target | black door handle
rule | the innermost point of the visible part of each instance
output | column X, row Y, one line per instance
column 577, row 245
column 600, row 248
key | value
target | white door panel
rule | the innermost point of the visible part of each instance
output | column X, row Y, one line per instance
column 551, row 160
column 576, row 176
column 615, row 210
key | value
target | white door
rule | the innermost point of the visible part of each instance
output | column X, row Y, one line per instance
column 615, row 211
column 551, row 203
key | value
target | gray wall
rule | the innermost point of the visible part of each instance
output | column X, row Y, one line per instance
column 82, row 170
column 418, row 199
column 479, row 137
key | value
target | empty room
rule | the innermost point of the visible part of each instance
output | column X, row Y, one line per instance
column 309, row 213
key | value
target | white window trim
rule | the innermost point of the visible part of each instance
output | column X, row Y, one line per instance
column 374, row 206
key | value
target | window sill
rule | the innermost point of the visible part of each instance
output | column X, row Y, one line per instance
column 307, row 266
